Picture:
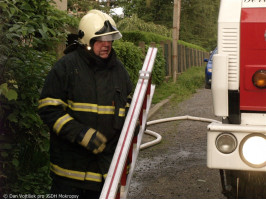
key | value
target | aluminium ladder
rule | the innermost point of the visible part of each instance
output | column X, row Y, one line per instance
column 118, row 180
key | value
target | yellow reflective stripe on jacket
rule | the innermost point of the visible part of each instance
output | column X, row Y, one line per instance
column 89, row 107
column 83, row 107
column 87, row 137
column 88, row 176
column 122, row 112
column 60, row 122
column 91, row 176
column 104, row 176
column 106, row 110
column 51, row 102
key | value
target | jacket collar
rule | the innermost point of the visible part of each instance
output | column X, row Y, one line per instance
column 96, row 62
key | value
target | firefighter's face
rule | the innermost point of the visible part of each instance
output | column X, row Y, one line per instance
column 102, row 48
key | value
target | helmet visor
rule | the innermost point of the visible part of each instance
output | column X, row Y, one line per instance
column 109, row 37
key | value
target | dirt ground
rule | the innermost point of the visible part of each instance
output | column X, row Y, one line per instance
column 176, row 168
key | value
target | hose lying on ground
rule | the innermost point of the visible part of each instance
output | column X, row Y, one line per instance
column 159, row 137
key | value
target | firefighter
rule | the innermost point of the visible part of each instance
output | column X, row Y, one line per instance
column 84, row 103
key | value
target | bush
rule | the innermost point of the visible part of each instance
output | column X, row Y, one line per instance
column 132, row 57
column 28, row 29
column 136, row 24
column 28, row 149
column 137, row 36
column 148, row 37
column 158, row 73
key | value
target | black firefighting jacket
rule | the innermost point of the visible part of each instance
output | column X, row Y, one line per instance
column 83, row 91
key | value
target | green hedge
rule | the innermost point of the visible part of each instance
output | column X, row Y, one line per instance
column 148, row 37
column 137, row 36
column 134, row 23
column 133, row 58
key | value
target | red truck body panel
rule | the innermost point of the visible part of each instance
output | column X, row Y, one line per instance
column 252, row 57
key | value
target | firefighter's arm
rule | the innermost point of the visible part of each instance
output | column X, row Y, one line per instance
column 53, row 111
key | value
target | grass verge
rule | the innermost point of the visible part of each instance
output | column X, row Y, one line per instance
column 187, row 83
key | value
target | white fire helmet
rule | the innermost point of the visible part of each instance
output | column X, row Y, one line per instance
column 99, row 26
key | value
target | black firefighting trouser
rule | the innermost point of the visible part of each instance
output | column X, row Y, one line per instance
column 61, row 189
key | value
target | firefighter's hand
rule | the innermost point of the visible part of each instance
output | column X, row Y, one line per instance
column 137, row 129
column 93, row 140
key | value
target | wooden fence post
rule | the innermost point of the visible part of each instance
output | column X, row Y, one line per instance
column 197, row 60
column 179, row 60
column 163, row 47
column 201, row 58
column 169, row 56
column 185, row 58
column 142, row 46
column 153, row 44
column 189, row 57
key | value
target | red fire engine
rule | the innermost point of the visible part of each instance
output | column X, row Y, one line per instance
column 237, row 146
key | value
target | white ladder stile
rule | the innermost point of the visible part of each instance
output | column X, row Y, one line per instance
column 112, row 181
column 136, row 147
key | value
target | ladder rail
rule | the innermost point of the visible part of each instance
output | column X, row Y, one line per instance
column 136, row 146
column 116, row 169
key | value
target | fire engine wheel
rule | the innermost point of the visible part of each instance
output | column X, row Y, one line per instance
column 207, row 86
column 244, row 184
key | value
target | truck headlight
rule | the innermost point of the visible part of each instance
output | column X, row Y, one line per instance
column 252, row 150
column 226, row 143
column 259, row 79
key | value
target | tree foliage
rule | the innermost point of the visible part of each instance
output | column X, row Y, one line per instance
column 81, row 7
column 134, row 23
column 30, row 30
column 198, row 23
column 156, row 11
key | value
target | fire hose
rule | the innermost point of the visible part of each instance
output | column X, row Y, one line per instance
column 159, row 137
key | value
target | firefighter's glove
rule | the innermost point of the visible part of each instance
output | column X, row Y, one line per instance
column 92, row 140
column 137, row 129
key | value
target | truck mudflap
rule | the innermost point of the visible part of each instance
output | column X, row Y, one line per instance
column 243, row 184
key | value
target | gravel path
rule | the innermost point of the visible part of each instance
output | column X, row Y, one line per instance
column 176, row 168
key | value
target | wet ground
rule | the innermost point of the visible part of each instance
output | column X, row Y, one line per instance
column 176, row 168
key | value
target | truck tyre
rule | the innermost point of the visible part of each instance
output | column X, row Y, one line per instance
column 207, row 86
column 244, row 184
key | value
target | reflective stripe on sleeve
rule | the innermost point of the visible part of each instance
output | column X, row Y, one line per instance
column 129, row 97
column 122, row 112
column 60, row 122
column 51, row 102
column 77, row 175
column 87, row 137
column 89, row 107
column 104, row 176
